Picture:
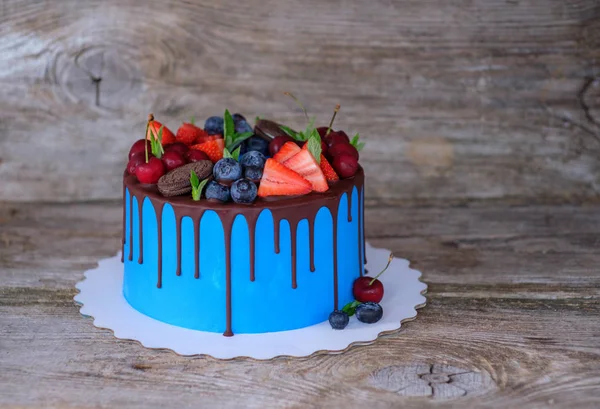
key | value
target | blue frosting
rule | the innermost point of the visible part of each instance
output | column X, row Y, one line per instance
column 267, row 304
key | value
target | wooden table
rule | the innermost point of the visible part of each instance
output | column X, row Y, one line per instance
column 512, row 318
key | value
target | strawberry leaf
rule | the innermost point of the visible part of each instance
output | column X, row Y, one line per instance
column 314, row 145
column 193, row 120
column 356, row 143
column 228, row 128
column 156, row 143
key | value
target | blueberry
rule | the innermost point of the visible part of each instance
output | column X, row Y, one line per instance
column 216, row 191
column 243, row 126
column 214, row 125
column 338, row 319
column 238, row 117
column 253, row 173
column 253, row 158
column 256, row 143
column 369, row 312
column 243, row 191
column 227, row 170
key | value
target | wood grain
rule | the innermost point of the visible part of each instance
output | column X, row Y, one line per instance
column 512, row 319
column 459, row 99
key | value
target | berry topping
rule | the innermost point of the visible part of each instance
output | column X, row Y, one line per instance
column 243, row 191
column 237, row 117
column 345, row 165
column 189, row 134
column 134, row 161
column 216, row 191
column 369, row 312
column 194, row 155
column 328, row 171
column 178, row 147
column 322, row 130
column 154, row 129
column 288, row 150
column 338, row 319
column 214, row 149
column 253, row 158
column 277, row 180
column 242, row 126
column 278, row 142
column 256, row 143
column 172, row 160
column 150, row 172
column 343, row 148
column 304, row 164
column 139, row 146
column 253, row 173
column 368, row 289
column 227, row 171
column 336, row 137
column 214, row 125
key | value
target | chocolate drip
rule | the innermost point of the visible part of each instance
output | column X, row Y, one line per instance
column 362, row 235
column 141, row 230
column 124, row 221
column 293, row 227
column 159, row 209
column 311, row 242
column 196, row 246
column 349, row 196
column 227, row 227
column 360, row 245
column 276, row 233
column 178, row 235
column 334, row 216
column 130, row 226
column 293, row 210
column 251, row 219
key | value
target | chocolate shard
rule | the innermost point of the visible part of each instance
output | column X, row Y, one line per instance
column 177, row 181
column 268, row 129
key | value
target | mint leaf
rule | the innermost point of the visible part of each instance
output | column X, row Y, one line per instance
column 350, row 308
column 226, row 154
column 228, row 128
column 156, row 143
column 238, row 138
column 194, row 181
column 356, row 143
column 193, row 120
column 291, row 133
column 236, row 153
column 314, row 145
column 256, row 119
column 197, row 185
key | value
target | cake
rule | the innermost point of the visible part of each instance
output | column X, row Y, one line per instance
column 236, row 229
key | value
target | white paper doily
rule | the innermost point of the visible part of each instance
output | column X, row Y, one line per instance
column 101, row 297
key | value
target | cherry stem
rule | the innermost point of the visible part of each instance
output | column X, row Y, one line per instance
column 289, row 94
column 335, row 111
column 150, row 119
column 382, row 271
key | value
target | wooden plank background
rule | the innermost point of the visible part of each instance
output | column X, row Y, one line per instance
column 459, row 99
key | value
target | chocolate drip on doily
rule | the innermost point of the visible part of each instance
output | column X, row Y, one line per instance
column 292, row 210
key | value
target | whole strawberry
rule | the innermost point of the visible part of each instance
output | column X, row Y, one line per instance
column 189, row 134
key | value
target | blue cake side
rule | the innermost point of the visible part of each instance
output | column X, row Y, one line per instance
column 158, row 288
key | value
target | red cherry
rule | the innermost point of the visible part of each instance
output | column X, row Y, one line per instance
column 194, row 155
column 172, row 160
column 150, row 172
column 135, row 160
column 178, row 147
column 322, row 130
column 364, row 291
column 345, row 165
column 139, row 146
column 278, row 142
column 342, row 148
column 336, row 137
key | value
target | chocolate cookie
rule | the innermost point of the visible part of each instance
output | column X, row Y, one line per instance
column 268, row 129
column 177, row 181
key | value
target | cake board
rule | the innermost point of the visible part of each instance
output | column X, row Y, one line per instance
column 100, row 297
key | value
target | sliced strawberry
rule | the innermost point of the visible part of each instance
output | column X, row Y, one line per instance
column 189, row 134
column 214, row 149
column 326, row 167
column 167, row 135
column 328, row 171
column 207, row 138
column 288, row 150
column 304, row 163
column 277, row 180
